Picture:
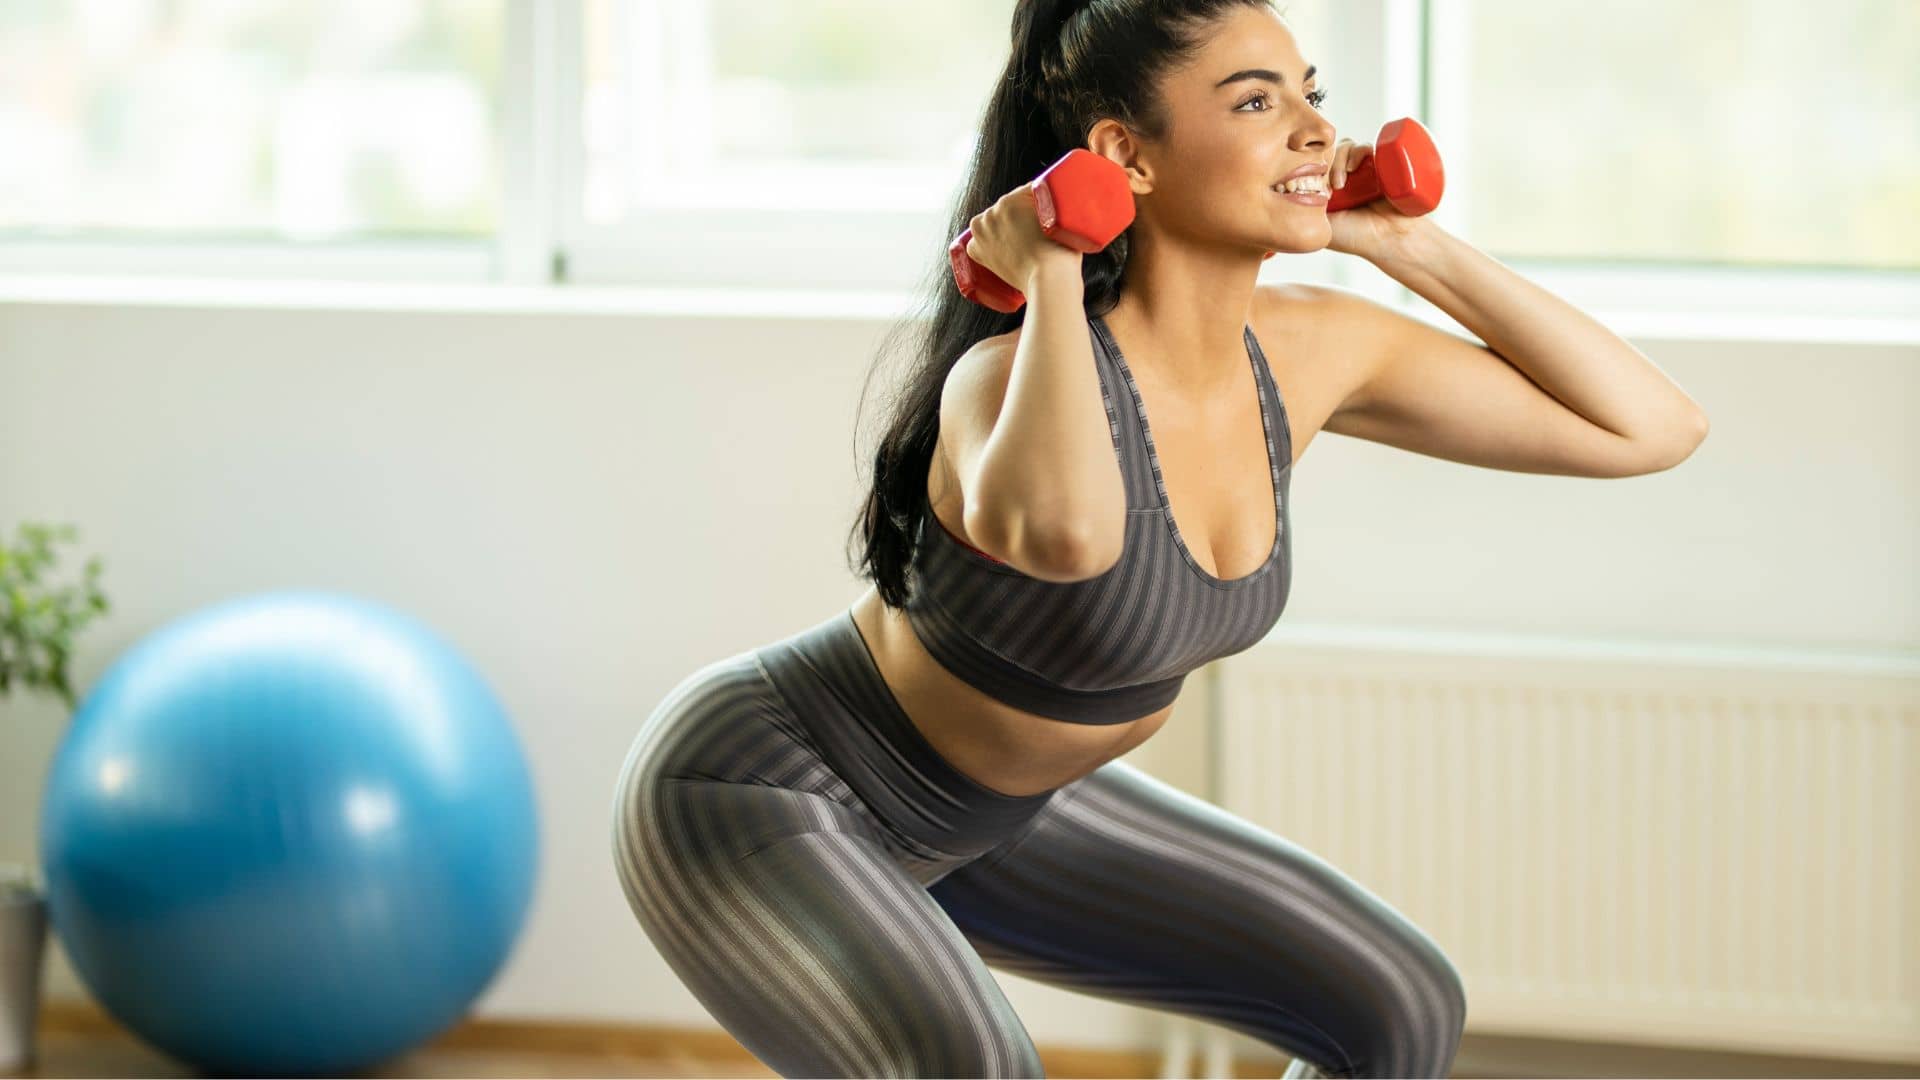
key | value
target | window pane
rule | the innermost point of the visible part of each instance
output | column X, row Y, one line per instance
column 1760, row 132
column 315, row 121
column 821, row 103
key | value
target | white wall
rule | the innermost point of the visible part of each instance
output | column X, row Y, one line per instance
column 590, row 506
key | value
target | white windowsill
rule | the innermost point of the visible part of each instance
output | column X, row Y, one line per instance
column 458, row 297
column 330, row 295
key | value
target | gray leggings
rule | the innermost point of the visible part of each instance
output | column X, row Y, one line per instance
column 833, row 890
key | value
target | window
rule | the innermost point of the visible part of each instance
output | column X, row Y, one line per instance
column 795, row 144
column 303, row 122
column 1738, row 156
column 1763, row 133
column 716, row 104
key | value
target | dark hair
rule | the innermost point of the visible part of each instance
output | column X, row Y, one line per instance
column 1073, row 62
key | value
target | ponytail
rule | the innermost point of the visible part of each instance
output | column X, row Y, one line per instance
column 1037, row 27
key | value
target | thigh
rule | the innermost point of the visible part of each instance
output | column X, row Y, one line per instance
column 792, row 923
column 1128, row 888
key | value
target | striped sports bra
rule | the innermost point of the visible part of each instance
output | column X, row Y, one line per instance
column 1116, row 647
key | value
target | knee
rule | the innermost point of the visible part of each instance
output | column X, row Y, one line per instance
column 1449, row 997
column 1440, row 1015
column 1420, row 1034
column 1438, row 1002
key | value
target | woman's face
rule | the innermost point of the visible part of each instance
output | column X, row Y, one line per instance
column 1231, row 139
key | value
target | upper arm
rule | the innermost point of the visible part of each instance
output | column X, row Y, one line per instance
column 970, row 403
column 1418, row 387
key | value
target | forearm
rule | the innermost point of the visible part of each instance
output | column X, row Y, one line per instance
column 1587, row 367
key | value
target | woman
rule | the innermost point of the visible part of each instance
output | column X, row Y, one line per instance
column 831, row 836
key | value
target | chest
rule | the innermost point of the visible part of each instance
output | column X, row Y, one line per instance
column 1212, row 455
column 1203, row 572
column 1211, row 451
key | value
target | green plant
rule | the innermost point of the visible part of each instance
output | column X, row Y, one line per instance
column 39, row 619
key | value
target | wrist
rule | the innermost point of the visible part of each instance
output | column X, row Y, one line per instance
column 1413, row 246
column 1057, row 268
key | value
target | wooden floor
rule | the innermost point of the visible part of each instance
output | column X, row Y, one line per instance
column 81, row 1041
column 70, row 1054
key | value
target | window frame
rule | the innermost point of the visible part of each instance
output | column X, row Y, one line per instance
column 1383, row 50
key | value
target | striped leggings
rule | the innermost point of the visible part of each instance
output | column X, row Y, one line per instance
column 833, row 891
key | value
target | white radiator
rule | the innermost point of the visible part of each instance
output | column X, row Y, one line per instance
column 1692, row 847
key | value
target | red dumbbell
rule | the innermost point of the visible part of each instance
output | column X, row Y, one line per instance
column 1404, row 168
column 1083, row 201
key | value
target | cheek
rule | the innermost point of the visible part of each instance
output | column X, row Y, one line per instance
column 1221, row 180
column 1208, row 143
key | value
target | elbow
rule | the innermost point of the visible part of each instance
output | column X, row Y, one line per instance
column 1082, row 552
column 1057, row 552
column 1681, row 446
column 1696, row 433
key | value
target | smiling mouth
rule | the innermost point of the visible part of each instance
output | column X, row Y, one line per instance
column 1316, row 198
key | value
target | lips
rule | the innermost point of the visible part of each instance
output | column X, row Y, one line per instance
column 1309, row 169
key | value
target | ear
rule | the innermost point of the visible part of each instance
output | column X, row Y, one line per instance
column 1111, row 140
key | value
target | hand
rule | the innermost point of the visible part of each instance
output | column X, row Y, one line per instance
column 1007, row 239
column 1371, row 228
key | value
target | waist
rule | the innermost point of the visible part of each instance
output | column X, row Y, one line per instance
column 1004, row 747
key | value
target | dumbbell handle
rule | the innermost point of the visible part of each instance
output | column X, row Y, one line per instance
column 1404, row 168
column 1083, row 202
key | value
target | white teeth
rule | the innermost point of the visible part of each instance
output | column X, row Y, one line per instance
column 1307, row 183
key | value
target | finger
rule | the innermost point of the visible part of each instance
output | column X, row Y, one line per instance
column 1357, row 156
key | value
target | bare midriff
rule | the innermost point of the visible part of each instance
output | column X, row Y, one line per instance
column 1009, row 750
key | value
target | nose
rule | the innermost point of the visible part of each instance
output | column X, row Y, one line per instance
column 1315, row 136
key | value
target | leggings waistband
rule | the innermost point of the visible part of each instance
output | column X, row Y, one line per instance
column 829, row 678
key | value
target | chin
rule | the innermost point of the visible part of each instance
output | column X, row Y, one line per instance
column 1301, row 241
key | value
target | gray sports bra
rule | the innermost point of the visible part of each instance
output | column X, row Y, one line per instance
column 1116, row 647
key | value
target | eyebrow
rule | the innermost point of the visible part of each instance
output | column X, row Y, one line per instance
column 1264, row 73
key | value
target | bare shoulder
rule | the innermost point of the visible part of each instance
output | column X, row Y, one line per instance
column 1299, row 318
column 1307, row 332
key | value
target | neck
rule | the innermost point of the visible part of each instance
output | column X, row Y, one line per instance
column 1182, row 311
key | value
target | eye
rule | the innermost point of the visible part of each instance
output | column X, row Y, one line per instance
column 1314, row 98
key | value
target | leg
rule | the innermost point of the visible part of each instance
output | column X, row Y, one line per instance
column 786, row 916
column 1128, row 888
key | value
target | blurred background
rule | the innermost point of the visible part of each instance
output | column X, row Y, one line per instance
column 553, row 323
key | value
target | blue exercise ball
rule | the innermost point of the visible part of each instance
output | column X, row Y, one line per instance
column 291, row 834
